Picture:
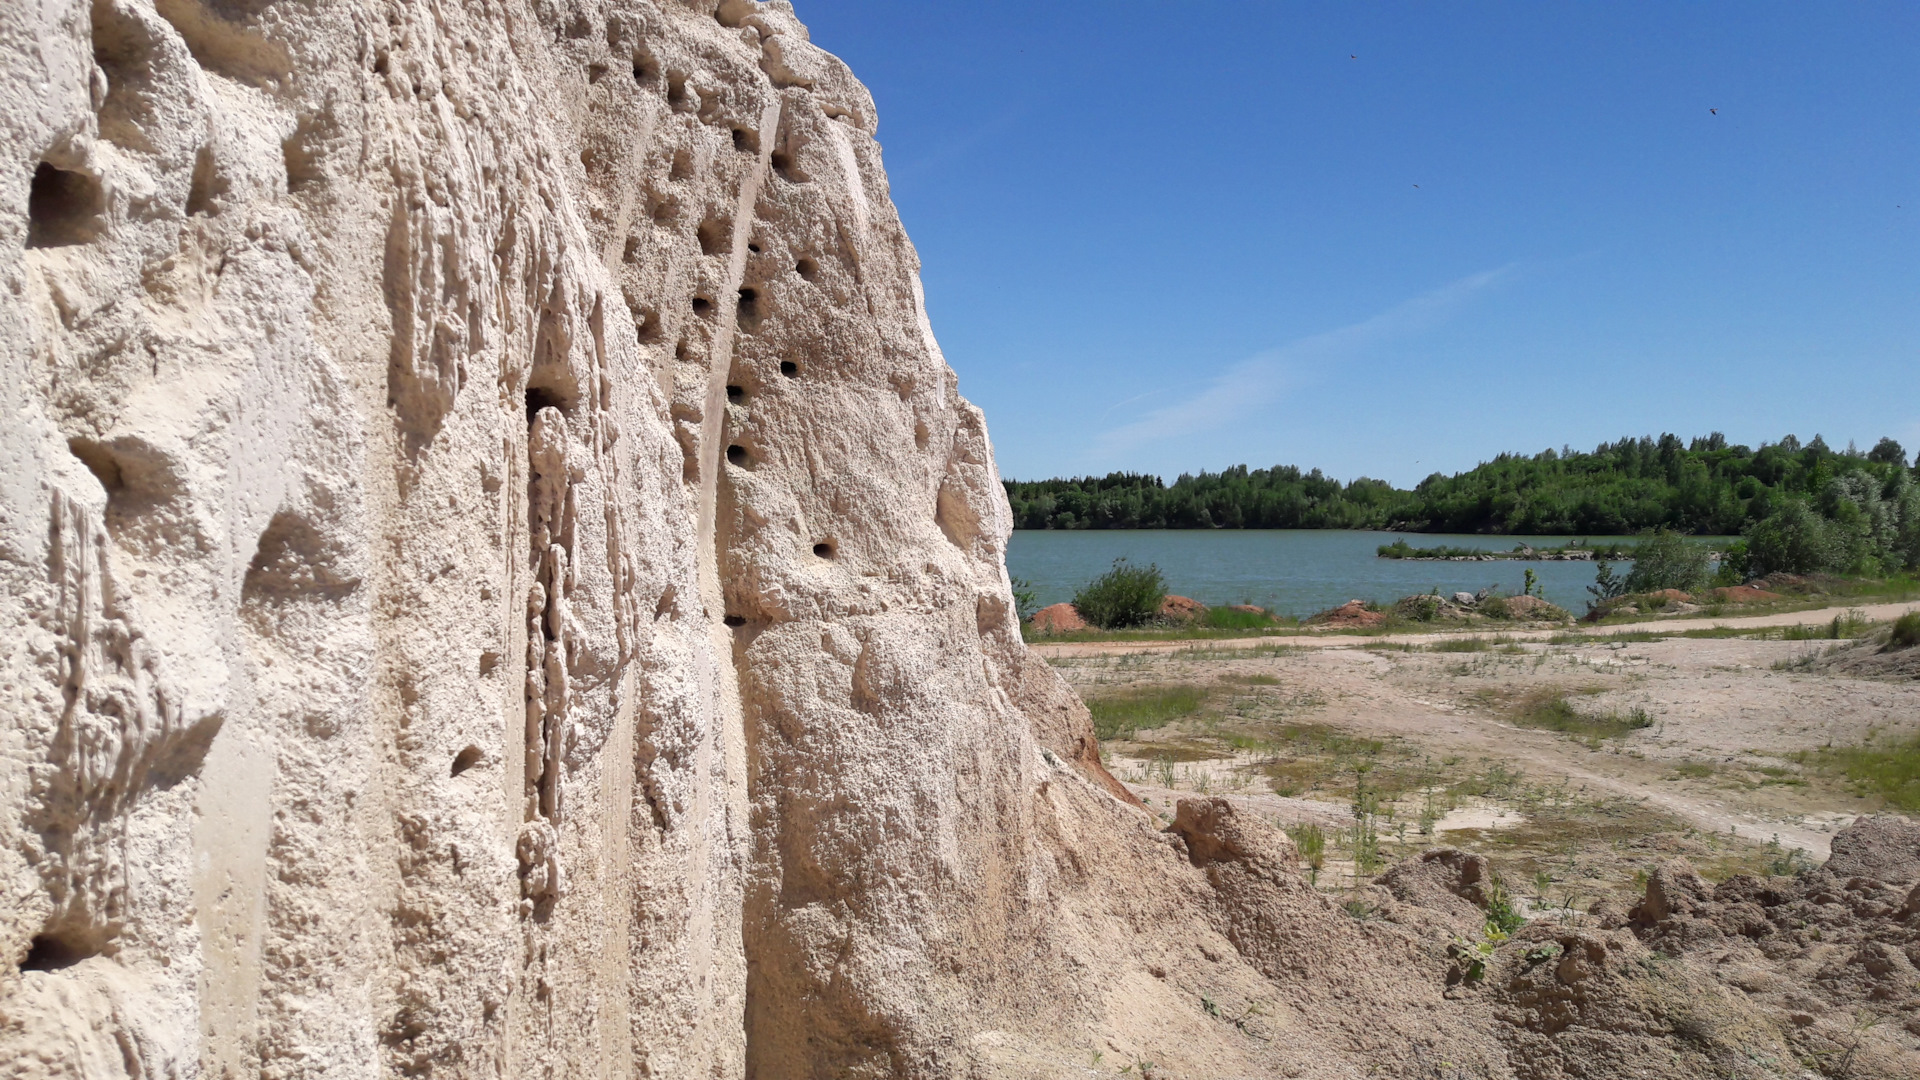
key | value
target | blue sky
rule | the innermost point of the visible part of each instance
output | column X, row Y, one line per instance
column 1390, row 239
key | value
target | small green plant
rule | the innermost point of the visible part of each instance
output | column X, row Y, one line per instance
column 1124, row 596
column 1606, row 587
column 1694, row 770
column 1532, row 584
column 1502, row 917
column 1366, row 834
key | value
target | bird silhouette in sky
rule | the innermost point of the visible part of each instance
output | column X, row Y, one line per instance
column 1353, row 56
column 1715, row 112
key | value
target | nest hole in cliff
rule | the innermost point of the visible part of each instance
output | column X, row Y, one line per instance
column 734, row 621
column 736, row 393
column 826, row 550
column 645, row 70
column 466, row 759
column 646, row 326
column 101, row 462
column 54, row 950
column 677, row 95
column 703, row 307
column 716, row 238
column 64, row 207
column 737, row 455
column 746, row 140
column 543, row 397
column 807, row 269
column 747, row 313
column 790, row 369
column 784, row 167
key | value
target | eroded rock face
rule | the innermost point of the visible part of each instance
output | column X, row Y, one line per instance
column 503, row 583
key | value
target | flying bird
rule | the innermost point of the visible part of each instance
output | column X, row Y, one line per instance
column 1353, row 56
column 1715, row 112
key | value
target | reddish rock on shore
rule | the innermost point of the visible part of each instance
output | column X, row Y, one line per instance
column 1058, row 619
column 1181, row 609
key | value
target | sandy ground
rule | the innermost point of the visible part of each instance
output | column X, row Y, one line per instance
column 1721, row 754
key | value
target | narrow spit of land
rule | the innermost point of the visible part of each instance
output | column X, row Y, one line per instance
column 1576, row 764
column 1335, row 640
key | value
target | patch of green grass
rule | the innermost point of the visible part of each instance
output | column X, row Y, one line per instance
column 1226, row 618
column 1460, row 645
column 1252, row 678
column 1550, row 710
column 1694, row 770
column 1890, row 771
column 1117, row 716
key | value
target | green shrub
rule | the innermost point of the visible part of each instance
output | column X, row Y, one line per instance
column 1906, row 631
column 1119, row 715
column 1667, row 560
column 1794, row 540
column 1126, row 595
column 1495, row 607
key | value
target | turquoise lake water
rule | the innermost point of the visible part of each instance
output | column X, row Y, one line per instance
column 1291, row 571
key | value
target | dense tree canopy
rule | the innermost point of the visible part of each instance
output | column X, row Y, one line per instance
column 1702, row 487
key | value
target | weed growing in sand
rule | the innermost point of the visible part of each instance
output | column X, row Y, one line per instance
column 1118, row 716
column 1693, row 770
column 1311, row 840
column 1460, row 645
column 1502, row 917
column 1366, row 834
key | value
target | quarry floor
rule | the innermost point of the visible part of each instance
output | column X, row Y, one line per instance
column 1726, row 768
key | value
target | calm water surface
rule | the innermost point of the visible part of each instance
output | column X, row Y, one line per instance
column 1291, row 571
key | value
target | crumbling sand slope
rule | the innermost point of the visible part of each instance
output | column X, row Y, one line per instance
column 504, row 584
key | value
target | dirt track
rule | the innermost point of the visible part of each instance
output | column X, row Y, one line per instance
column 1724, row 752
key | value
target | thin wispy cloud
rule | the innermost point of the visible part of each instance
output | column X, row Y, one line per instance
column 1262, row 378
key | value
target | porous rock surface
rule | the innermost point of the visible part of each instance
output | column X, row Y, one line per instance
column 500, row 582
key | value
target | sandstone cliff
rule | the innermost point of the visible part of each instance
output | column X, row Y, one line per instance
column 501, row 582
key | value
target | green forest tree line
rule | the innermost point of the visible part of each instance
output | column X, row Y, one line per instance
column 1815, row 507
